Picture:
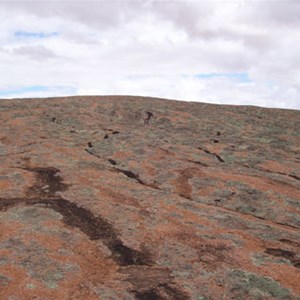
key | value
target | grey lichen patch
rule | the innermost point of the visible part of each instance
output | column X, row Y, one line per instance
column 107, row 292
column 3, row 260
column 221, row 193
column 30, row 214
column 3, row 150
column 230, row 157
column 252, row 286
column 200, row 297
column 293, row 202
column 65, row 234
column 48, row 271
column 30, row 286
column 107, row 147
column 264, row 139
column 37, row 264
column 260, row 259
column 235, row 184
column 86, row 192
column 4, row 280
column 234, row 239
column 248, row 200
column 50, row 278
column 13, row 243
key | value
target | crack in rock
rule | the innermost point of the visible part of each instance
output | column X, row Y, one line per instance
column 289, row 255
column 218, row 157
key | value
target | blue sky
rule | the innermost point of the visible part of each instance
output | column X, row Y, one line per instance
column 242, row 77
column 36, row 90
column 38, row 35
column 22, row 90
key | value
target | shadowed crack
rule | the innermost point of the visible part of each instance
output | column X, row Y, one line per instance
column 127, row 173
column 130, row 174
column 218, row 157
column 293, row 176
column 197, row 162
column 91, row 153
column 289, row 255
column 271, row 172
column 293, row 243
column 134, row 176
column 238, row 213
column 113, row 162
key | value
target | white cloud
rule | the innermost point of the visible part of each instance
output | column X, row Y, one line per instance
column 155, row 48
column 37, row 52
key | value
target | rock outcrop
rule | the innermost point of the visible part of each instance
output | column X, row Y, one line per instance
column 142, row 198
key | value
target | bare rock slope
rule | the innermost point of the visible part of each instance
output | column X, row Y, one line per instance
column 140, row 198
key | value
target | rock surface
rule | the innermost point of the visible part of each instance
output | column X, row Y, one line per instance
column 140, row 198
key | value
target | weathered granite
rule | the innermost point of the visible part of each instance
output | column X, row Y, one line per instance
column 142, row 198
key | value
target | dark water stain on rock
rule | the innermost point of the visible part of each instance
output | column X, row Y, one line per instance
column 289, row 255
column 153, row 283
column 48, row 182
column 162, row 292
column 96, row 228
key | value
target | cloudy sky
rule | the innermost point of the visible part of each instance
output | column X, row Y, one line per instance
column 237, row 52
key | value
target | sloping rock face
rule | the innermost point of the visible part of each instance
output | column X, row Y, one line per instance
column 140, row 198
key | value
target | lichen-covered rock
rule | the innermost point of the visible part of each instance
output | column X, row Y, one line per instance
column 142, row 198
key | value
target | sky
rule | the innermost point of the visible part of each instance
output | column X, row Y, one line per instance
column 243, row 52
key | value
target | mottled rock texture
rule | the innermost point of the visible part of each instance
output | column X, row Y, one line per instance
column 140, row 198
